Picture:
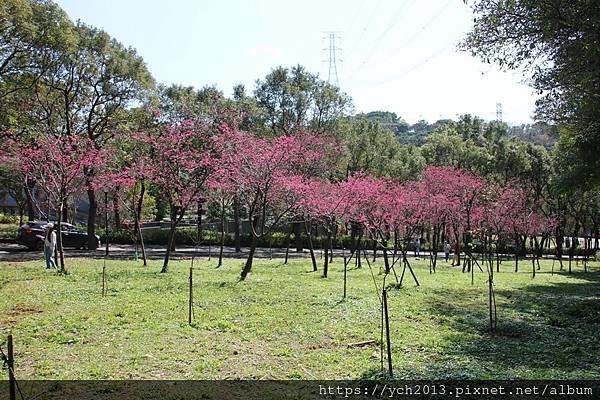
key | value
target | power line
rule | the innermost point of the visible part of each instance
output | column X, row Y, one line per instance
column 362, row 3
column 418, row 65
column 395, row 19
column 362, row 33
column 417, row 33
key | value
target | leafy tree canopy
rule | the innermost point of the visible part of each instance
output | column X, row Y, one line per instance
column 294, row 99
column 557, row 42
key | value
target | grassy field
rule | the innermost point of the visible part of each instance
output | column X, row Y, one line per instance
column 286, row 322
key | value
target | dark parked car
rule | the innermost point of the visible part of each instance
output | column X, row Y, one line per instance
column 32, row 235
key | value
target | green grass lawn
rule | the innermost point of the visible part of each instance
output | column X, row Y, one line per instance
column 286, row 322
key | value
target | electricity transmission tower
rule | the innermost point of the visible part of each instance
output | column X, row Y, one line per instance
column 333, row 59
column 499, row 112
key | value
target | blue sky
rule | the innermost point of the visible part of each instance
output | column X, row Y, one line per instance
column 397, row 55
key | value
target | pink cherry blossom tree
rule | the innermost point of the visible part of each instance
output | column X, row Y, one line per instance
column 464, row 193
column 380, row 206
column 221, row 190
column 514, row 213
column 437, row 206
column 179, row 163
column 124, row 178
column 407, row 214
column 268, row 173
column 57, row 165
column 321, row 203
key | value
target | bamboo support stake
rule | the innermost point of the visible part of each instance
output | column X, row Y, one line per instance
column 387, row 333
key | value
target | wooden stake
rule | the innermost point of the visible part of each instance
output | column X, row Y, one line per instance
column 191, row 298
column 387, row 332
column 345, row 272
column 472, row 268
column 381, row 357
column 490, row 289
column 104, row 278
column 11, row 368
column 106, row 222
column 287, row 243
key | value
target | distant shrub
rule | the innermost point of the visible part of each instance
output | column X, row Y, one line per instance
column 187, row 236
column 9, row 219
column 121, row 236
column 8, row 231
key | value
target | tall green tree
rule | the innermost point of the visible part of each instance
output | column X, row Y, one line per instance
column 486, row 149
column 29, row 30
column 179, row 103
column 375, row 150
column 114, row 77
column 294, row 99
column 557, row 43
column 85, row 89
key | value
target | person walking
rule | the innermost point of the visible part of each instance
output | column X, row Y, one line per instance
column 447, row 250
column 50, row 246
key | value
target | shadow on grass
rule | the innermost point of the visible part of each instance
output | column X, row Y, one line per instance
column 544, row 331
column 592, row 275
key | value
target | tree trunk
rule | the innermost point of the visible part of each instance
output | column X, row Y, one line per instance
column 199, row 225
column 117, row 214
column 386, row 261
column 171, row 241
column 587, row 244
column 236, row 228
column 574, row 242
column 65, row 213
column 434, row 246
column 310, row 246
column 138, row 217
column 327, row 249
column 287, row 243
column 358, row 249
column 170, row 246
column 91, row 223
column 331, row 241
column 517, row 251
column 106, row 223
column 298, row 236
column 353, row 234
column 374, row 250
column 140, row 237
column 30, row 207
column 497, row 261
column 539, row 248
column 248, row 264
column 559, row 246
column 222, row 234
column 395, row 253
